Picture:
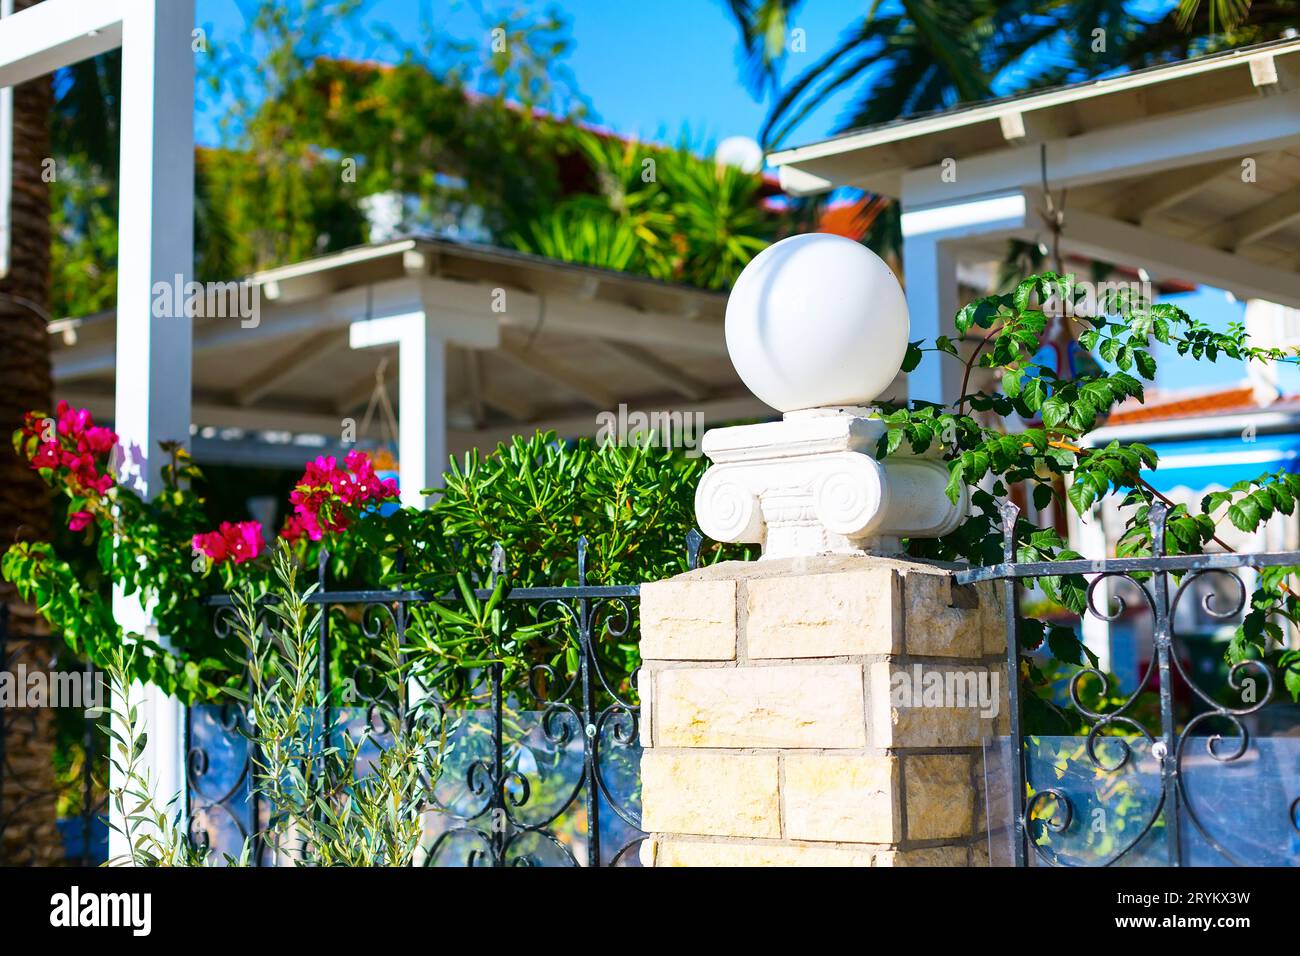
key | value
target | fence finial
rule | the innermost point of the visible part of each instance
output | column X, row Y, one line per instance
column 1010, row 512
column 693, row 541
column 1158, row 516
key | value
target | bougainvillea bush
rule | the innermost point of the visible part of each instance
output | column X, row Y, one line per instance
column 535, row 498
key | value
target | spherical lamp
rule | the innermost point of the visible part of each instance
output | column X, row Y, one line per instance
column 817, row 321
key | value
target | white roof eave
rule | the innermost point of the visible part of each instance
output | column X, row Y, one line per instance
column 1026, row 103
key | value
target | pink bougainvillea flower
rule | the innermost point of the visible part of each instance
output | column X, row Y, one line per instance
column 212, row 544
column 100, row 439
column 47, row 456
column 73, row 421
column 80, row 520
column 74, row 447
column 328, row 496
column 233, row 541
column 244, row 540
column 294, row 530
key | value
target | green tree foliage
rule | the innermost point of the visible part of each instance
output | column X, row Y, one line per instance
column 915, row 56
column 986, row 460
column 536, row 498
column 471, row 140
column 308, row 136
column 662, row 212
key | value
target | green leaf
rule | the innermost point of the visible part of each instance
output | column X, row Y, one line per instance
column 1146, row 364
column 1034, row 394
column 1065, row 645
column 1054, row 411
column 1244, row 515
column 912, row 357
column 1042, row 496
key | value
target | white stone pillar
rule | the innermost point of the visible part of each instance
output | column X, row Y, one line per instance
column 824, row 705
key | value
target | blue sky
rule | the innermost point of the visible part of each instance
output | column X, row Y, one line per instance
column 654, row 69
column 644, row 68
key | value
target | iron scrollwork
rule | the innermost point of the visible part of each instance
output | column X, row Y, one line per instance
column 1150, row 762
column 542, row 773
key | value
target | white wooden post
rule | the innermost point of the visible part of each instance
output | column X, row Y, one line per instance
column 931, row 238
column 155, row 245
column 1088, row 537
column 930, row 279
column 421, row 395
column 422, row 411
column 422, row 338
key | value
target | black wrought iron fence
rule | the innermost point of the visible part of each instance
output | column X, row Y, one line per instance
column 1168, row 771
column 541, row 771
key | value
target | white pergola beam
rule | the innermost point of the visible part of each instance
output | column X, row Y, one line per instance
column 57, row 33
column 558, row 373
column 1259, row 221
column 1263, row 70
column 663, row 372
column 271, row 376
column 277, row 322
column 358, row 393
column 1113, row 241
column 469, row 303
column 512, row 405
column 1140, row 201
column 614, row 323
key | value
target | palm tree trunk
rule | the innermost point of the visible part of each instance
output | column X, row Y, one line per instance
column 27, row 783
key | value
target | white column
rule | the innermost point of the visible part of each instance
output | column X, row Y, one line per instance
column 930, row 281
column 422, row 411
column 422, row 396
column 155, row 244
column 931, row 238
column 1088, row 537
column 422, row 337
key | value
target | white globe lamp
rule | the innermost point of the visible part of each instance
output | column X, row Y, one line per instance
column 817, row 321
column 817, row 328
column 741, row 152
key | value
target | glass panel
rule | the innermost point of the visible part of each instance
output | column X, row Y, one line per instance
column 1105, row 808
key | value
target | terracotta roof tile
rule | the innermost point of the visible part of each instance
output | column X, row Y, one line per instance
column 1236, row 399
